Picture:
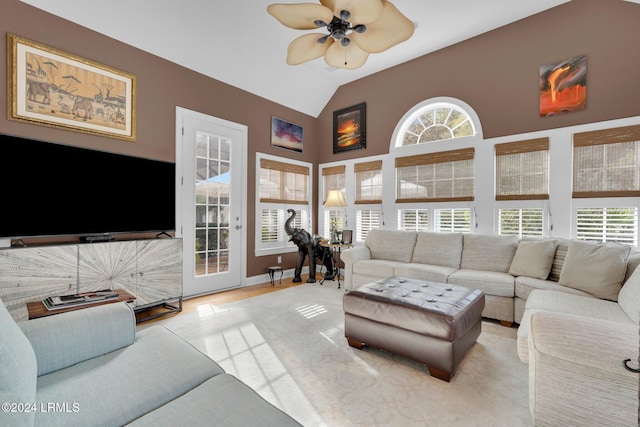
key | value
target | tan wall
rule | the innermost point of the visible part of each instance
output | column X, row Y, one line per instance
column 496, row 73
column 162, row 85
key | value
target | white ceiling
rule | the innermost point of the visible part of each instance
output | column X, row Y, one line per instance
column 239, row 43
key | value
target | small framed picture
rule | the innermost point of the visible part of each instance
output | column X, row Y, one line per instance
column 286, row 135
column 350, row 128
column 347, row 236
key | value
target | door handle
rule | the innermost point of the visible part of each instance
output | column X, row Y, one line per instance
column 238, row 227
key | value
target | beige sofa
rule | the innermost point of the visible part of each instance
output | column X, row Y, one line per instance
column 505, row 268
column 577, row 303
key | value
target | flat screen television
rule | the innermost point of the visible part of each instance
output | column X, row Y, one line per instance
column 50, row 189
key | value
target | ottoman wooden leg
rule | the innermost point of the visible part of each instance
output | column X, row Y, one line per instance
column 440, row 374
column 355, row 343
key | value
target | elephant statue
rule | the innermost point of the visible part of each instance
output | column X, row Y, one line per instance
column 308, row 246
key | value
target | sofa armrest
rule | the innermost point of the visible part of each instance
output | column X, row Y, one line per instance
column 576, row 372
column 350, row 257
column 68, row 338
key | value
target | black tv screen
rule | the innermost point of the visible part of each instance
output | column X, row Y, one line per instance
column 57, row 190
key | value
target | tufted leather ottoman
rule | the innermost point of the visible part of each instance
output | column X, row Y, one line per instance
column 433, row 323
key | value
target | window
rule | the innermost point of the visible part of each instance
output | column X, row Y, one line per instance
column 606, row 163
column 333, row 179
column 368, row 178
column 522, row 170
column 413, row 219
column 452, row 220
column 435, row 121
column 283, row 184
column 434, row 177
column 618, row 225
column 606, row 166
column 366, row 219
column 522, row 173
column 521, row 222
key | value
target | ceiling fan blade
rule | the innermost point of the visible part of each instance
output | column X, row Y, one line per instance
column 362, row 11
column 305, row 48
column 392, row 28
column 300, row 16
column 350, row 57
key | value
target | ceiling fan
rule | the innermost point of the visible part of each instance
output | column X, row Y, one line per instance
column 356, row 29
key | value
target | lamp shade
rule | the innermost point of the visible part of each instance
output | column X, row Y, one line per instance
column 335, row 199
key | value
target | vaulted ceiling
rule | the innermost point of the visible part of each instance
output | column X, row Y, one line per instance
column 239, row 43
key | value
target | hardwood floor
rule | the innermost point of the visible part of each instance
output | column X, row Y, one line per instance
column 191, row 305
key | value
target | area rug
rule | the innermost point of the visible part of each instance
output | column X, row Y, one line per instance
column 290, row 347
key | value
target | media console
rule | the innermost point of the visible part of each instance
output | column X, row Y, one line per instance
column 150, row 270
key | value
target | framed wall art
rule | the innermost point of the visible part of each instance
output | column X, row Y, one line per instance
column 286, row 135
column 350, row 128
column 563, row 86
column 54, row 88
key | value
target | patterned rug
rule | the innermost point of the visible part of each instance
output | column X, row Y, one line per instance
column 289, row 346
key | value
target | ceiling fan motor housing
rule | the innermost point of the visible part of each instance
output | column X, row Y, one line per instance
column 339, row 28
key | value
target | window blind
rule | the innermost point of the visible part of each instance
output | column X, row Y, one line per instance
column 522, row 170
column 283, row 182
column 368, row 177
column 435, row 177
column 333, row 179
column 606, row 163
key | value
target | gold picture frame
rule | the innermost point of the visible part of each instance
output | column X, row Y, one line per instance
column 50, row 87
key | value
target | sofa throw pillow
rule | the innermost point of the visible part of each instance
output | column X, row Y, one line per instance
column 597, row 269
column 533, row 259
column 629, row 296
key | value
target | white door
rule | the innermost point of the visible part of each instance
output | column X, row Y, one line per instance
column 210, row 205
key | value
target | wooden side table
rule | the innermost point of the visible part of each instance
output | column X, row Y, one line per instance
column 37, row 309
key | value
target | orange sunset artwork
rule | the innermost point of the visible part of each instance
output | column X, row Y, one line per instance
column 563, row 86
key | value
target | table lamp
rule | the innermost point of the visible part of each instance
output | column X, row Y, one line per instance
column 335, row 199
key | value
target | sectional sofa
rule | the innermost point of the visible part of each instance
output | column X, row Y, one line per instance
column 91, row 367
column 507, row 269
column 577, row 305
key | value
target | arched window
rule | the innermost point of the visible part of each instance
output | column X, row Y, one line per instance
column 435, row 120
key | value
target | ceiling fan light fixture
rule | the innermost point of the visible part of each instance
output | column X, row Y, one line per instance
column 360, row 28
column 383, row 24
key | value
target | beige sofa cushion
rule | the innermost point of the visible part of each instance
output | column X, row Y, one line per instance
column 438, row 249
column 598, row 269
column 391, row 245
column 488, row 252
column 534, row 259
column 629, row 297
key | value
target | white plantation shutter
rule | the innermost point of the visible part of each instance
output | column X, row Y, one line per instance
column 608, row 225
column 413, row 219
column 366, row 219
column 521, row 222
column 452, row 220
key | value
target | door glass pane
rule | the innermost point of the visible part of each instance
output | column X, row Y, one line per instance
column 213, row 171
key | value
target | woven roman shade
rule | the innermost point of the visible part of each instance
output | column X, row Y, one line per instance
column 606, row 163
column 368, row 177
column 435, row 177
column 333, row 179
column 283, row 182
column 522, row 170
